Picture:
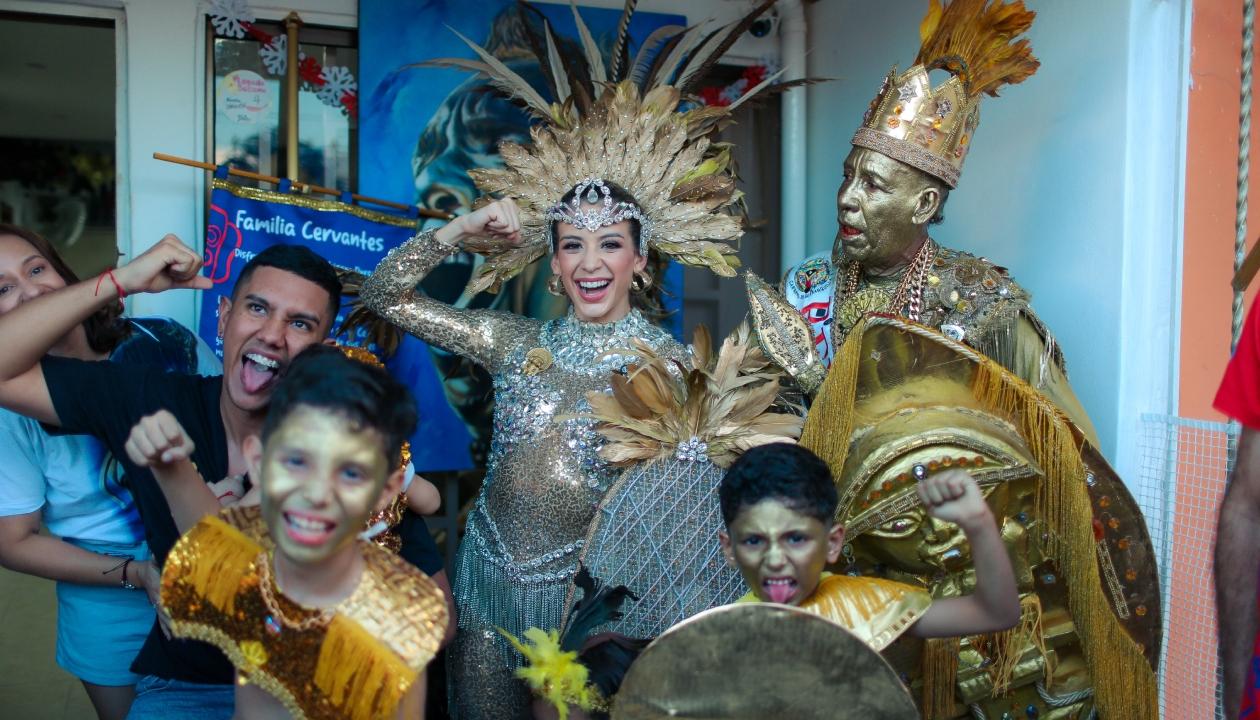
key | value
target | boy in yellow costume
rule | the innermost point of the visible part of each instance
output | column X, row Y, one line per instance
column 779, row 502
column 318, row 623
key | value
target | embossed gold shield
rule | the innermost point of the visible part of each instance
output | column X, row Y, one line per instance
column 754, row 661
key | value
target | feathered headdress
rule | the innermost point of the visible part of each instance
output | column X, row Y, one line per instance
column 931, row 128
column 621, row 124
column 714, row 410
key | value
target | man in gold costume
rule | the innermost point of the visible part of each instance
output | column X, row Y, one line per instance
column 907, row 155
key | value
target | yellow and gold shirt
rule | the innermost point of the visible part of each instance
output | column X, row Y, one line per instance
column 877, row 611
column 355, row 660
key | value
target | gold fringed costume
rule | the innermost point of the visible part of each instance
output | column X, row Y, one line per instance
column 876, row 610
column 356, row 661
column 900, row 394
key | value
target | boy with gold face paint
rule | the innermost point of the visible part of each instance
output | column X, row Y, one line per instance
column 317, row 622
column 779, row 503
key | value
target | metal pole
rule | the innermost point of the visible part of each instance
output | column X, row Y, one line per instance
column 792, row 40
column 292, row 80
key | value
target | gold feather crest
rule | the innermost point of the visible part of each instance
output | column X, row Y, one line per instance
column 726, row 402
column 972, row 39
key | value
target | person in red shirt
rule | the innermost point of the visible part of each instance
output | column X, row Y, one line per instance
column 1238, row 531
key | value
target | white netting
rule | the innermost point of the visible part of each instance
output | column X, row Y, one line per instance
column 657, row 535
column 1185, row 464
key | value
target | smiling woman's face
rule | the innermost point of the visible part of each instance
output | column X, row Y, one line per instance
column 596, row 268
column 25, row 274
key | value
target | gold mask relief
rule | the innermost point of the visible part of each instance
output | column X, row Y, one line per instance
column 888, row 527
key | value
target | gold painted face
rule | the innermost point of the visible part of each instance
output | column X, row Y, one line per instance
column 321, row 479
column 780, row 552
column 881, row 209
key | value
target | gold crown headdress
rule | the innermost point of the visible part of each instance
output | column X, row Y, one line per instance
column 620, row 125
column 931, row 128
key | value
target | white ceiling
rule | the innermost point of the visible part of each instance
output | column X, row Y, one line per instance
column 57, row 80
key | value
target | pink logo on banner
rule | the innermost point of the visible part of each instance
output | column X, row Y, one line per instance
column 220, row 232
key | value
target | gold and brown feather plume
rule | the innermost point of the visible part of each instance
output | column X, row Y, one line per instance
column 972, row 39
column 724, row 404
column 933, row 128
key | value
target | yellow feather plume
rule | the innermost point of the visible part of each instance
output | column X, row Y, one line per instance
column 975, row 40
column 553, row 674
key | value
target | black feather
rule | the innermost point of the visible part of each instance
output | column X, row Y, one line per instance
column 571, row 57
column 537, row 43
column 649, row 77
column 599, row 605
column 621, row 48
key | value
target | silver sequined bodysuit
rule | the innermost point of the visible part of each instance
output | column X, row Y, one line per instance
column 543, row 480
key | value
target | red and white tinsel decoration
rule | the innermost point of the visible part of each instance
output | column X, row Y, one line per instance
column 335, row 85
column 723, row 96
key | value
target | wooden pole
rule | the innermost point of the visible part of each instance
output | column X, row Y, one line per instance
column 1247, row 270
column 302, row 187
column 292, row 76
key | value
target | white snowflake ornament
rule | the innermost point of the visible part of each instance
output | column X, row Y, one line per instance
column 338, row 80
column 275, row 57
column 229, row 17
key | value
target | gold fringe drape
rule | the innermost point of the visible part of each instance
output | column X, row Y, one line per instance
column 227, row 556
column 940, row 675
column 1124, row 684
column 358, row 674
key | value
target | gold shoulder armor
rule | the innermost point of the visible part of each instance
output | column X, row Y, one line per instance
column 783, row 334
column 876, row 610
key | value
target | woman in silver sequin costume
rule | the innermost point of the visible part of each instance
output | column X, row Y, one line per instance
column 617, row 163
column 543, row 479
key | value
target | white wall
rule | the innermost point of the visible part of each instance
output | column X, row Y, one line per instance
column 1073, row 181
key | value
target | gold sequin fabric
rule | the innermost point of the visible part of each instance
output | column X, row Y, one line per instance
column 544, row 478
column 401, row 611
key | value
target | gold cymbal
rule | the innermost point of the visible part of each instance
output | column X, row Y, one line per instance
column 753, row 661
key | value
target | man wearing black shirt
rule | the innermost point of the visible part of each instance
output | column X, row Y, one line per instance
column 285, row 300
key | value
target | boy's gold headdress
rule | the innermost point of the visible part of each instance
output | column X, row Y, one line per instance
column 624, row 125
column 931, row 128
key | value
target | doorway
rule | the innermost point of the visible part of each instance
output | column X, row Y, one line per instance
column 58, row 134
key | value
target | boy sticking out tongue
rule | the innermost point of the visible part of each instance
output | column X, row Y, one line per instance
column 779, row 501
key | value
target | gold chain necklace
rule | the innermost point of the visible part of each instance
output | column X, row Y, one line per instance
column 909, row 291
column 267, row 588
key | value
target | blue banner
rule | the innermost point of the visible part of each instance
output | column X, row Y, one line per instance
column 244, row 221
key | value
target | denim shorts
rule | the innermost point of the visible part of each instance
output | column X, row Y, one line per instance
column 101, row 628
column 161, row 699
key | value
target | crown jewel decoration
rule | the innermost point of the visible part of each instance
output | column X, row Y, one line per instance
column 626, row 124
column 594, row 191
column 931, row 128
